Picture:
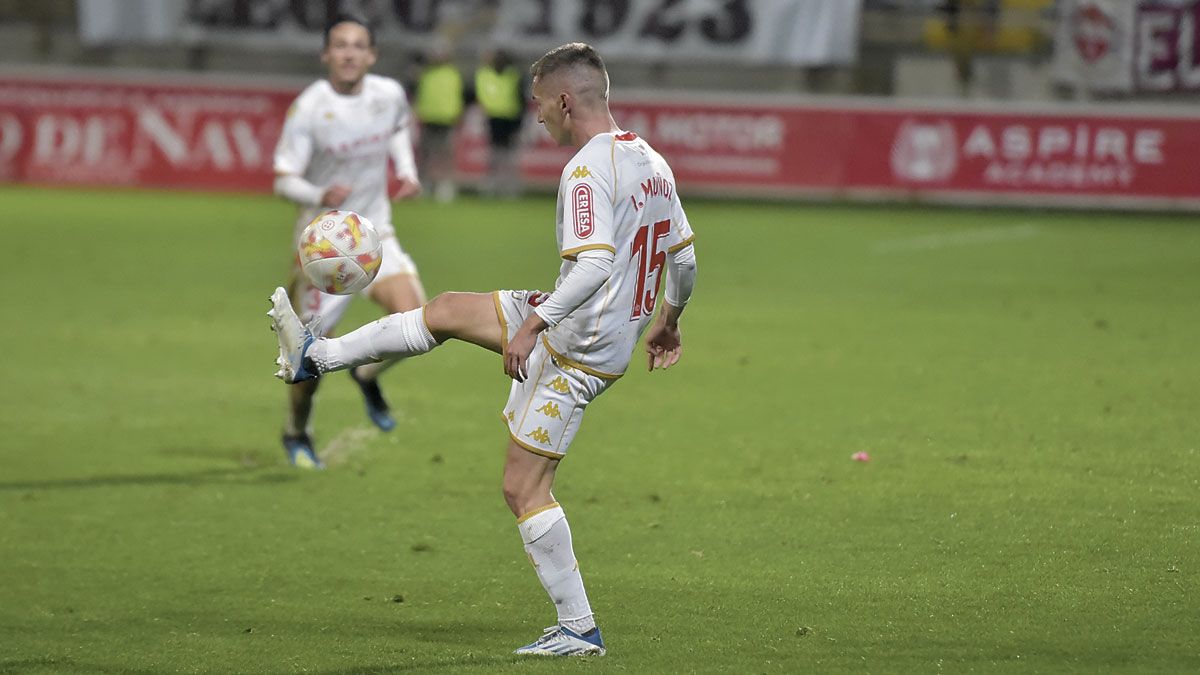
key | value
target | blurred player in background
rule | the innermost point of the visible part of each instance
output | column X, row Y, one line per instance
column 620, row 226
column 439, row 96
column 500, row 90
column 333, row 154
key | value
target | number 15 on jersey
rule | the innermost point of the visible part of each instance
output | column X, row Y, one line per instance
column 650, row 263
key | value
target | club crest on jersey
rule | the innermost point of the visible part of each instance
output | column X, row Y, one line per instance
column 582, row 202
column 580, row 171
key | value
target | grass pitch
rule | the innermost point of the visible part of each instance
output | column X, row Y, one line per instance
column 1025, row 384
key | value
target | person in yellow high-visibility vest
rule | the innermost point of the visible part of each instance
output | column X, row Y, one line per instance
column 439, row 100
column 500, row 90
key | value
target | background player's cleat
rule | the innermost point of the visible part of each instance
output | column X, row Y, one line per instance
column 377, row 408
column 294, row 340
column 562, row 641
column 300, row 452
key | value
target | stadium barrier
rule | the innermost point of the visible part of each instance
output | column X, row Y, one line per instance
column 192, row 132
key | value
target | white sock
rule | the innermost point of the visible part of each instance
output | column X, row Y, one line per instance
column 547, row 540
column 394, row 336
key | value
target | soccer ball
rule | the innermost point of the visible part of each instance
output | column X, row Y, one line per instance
column 340, row 252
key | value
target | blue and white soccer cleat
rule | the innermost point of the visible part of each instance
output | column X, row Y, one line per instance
column 377, row 408
column 294, row 340
column 300, row 452
column 562, row 641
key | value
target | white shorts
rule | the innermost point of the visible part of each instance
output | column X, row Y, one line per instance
column 543, row 412
column 313, row 305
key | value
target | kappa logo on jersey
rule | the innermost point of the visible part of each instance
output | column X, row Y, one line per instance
column 559, row 384
column 550, row 410
column 540, row 435
column 582, row 201
column 580, row 171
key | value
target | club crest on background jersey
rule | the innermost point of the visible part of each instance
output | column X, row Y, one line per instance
column 581, row 201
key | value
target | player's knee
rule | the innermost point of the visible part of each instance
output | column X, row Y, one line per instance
column 516, row 495
column 439, row 315
column 512, row 498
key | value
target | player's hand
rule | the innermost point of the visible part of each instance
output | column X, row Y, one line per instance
column 516, row 354
column 334, row 195
column 403, row 188
column 664, row 345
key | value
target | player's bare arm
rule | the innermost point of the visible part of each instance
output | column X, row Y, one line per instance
column 664, row 342
column 404, row 188
column 403, row 183
column 335, row 195
column 517, row 351
column 592, row 270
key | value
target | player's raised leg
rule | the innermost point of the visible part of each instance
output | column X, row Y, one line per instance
column 528, row 479
column 470, row 317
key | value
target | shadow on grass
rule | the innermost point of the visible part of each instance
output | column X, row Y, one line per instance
column 54, row 665
column 480, row 662
column 249, row 475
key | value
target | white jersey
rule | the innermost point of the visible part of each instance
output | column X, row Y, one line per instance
column 616, row 194
column 331, row 138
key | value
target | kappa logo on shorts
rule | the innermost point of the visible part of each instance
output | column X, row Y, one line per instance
column 540, row 435
column 580, row 171
column 582, row 201
column 559, row 384
column 550, row 410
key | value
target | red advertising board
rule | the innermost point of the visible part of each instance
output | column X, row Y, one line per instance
column 218, row 136
column 865, row 149
column 153, row 133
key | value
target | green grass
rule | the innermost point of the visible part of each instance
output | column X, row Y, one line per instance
column 1026, row 384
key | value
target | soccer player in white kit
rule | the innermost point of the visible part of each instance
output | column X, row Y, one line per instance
column 620, row 229
column 333, row 153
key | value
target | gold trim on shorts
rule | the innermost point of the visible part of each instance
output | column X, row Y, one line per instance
column 537, row 451
column 575, row 364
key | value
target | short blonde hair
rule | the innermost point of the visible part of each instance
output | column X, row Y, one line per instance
column 571, row 55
